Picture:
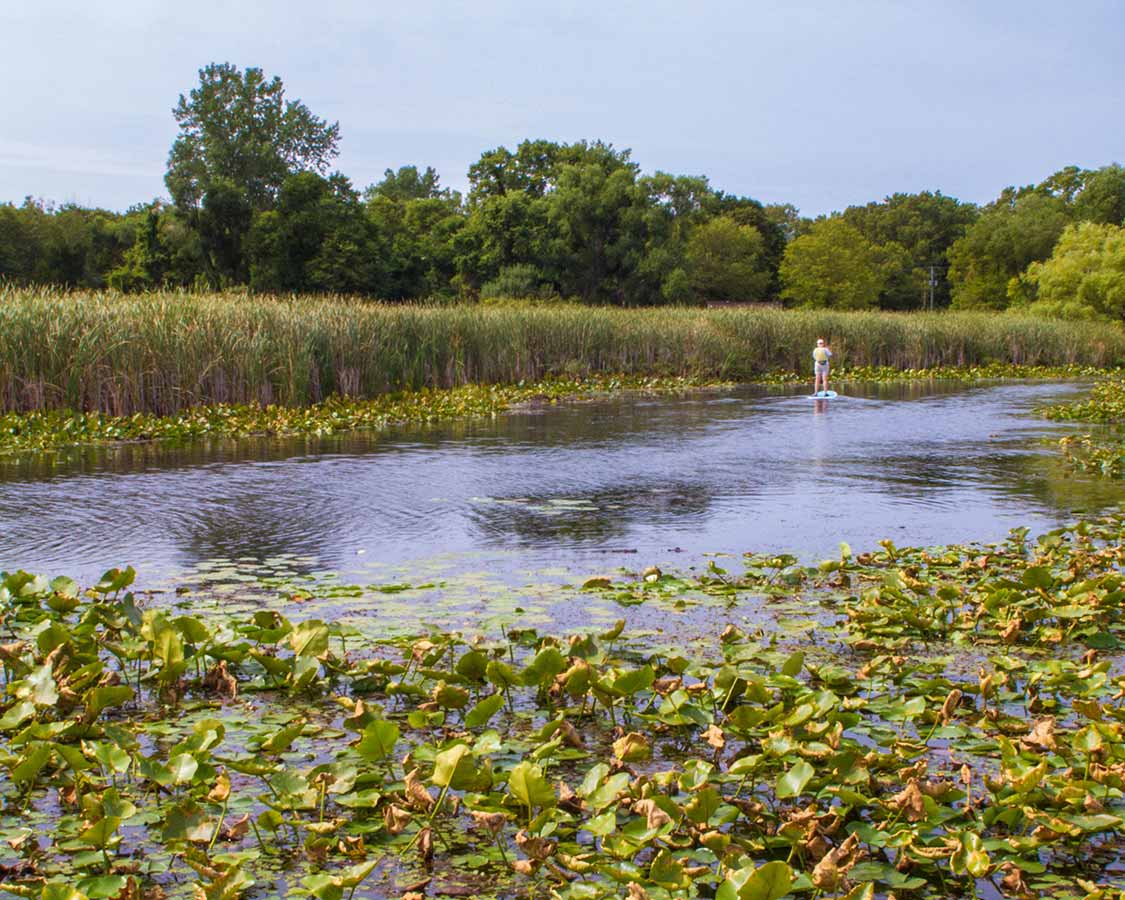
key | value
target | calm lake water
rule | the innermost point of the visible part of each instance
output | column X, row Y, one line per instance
column 582, row 487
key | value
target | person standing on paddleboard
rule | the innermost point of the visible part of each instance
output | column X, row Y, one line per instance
column 820, row 356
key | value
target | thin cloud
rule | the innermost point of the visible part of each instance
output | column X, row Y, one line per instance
column 75, row 160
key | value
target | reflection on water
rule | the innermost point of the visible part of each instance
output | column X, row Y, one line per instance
column 580, row 485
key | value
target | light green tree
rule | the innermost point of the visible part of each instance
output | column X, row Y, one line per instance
column 145, row 264
column 833, row 265
column 1084, row 278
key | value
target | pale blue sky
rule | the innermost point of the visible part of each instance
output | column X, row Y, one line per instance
column 821, row 103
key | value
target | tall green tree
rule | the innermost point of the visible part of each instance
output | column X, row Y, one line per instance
column 1102, row 198
column 501, row 232
column 551, row 211
column 528, row 170
column 534, row 167
column 418, row 223
column 223, row 226
column 727, row 261
column 239, row 139
column 773, row 228
column 1065, row 184
column 407, row 183
column 786, row 217
column 674, row 206
column 21, row 244
column 1092, row 195
column 687, row 200
column 423, row 247
column 238, row 127
column 597, row 221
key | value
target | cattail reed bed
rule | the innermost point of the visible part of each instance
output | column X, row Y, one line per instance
column 164, row 352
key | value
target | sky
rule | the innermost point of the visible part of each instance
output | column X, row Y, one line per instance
column 818, row 103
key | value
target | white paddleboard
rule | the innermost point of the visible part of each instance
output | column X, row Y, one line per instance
column 823, row 395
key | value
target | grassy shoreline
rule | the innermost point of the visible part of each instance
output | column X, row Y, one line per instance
column 163, row 353
column 47, row 430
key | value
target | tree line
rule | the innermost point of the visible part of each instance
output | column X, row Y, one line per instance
column 254, row 203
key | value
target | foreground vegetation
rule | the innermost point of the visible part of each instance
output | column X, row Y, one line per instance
column 166, row 352
column 934, row 721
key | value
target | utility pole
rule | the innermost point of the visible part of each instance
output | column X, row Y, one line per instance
column 933, row 284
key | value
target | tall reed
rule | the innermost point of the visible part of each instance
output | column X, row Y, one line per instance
column 163, row 352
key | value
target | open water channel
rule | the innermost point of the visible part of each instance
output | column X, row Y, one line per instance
column 560, row 491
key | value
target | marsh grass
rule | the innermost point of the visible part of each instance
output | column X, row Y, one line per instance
column 164, row 352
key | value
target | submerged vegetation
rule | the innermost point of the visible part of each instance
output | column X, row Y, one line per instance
column 938, row 720
column 167, row 352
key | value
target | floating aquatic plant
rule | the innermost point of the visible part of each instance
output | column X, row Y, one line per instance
column 949, row 717
column 1103, row 452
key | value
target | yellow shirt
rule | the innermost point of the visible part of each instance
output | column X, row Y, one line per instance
column 821, row 354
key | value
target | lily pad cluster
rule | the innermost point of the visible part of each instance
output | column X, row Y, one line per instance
column 983, row 372
column 912, row 743
column 1102, row 452
column 52, row 429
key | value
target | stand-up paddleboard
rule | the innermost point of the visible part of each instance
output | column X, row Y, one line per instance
column 824, row 395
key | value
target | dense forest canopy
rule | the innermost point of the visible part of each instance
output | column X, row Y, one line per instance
column 254, row 204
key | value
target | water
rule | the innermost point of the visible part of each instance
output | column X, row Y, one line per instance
column 582, row 487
